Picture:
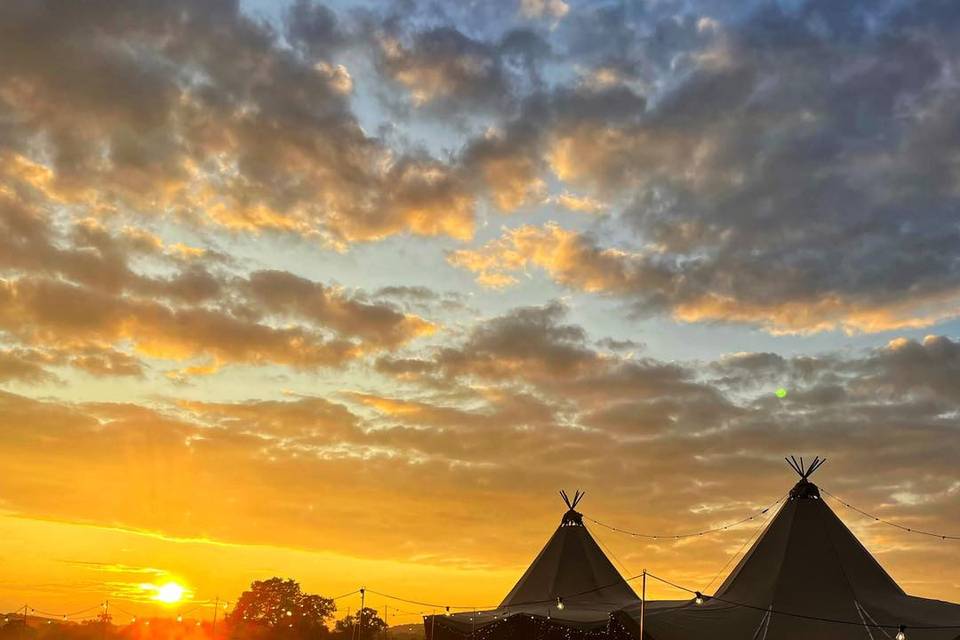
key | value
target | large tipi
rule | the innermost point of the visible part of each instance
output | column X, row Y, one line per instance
column 569, row 590
column 806, row 577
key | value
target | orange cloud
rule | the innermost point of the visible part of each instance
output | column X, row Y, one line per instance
column 827, row 313
column 654, row 280
column 565, row 255
column 580, row 204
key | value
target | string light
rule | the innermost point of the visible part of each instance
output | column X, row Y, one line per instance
column 693, row 534
column 698, row 598
column 179, row 618
column 560, row 603
column 901, row 633
column 69, row 614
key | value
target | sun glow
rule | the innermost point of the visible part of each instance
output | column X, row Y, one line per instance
column 169, row 593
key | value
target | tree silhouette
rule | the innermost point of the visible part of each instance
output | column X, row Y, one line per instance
column 373, row 625
column 278, row 607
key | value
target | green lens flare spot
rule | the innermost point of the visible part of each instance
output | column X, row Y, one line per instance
column 781, row 392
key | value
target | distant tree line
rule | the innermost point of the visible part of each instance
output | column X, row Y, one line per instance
column 274, row 609
column 279, row 608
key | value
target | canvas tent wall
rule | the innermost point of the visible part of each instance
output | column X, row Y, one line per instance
column 806, row 563
column 569, row 590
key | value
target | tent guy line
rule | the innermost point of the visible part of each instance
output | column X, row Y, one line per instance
column 753, row 536
column 889, row 523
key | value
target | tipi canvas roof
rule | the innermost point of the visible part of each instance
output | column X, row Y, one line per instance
column 572, row 567
column 570, row 582
column 807, row 576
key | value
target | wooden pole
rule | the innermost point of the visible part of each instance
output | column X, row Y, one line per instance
column 643, row 602
column 216, row 607
column 363, row 593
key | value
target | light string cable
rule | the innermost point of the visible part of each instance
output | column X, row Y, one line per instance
column 791, row 614
column 124, row 611
column 888, row 522
column 515, row 604
column 66, row 615
column 200, row 605
column 694, row 534
column 429, row 604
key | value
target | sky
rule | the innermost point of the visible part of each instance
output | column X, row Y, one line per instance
column 347, row 292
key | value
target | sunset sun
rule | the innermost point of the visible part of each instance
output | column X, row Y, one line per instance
column 169, row 593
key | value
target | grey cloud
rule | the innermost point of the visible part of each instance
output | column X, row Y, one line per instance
column 446, row 70
column 798, row 177
column 315, row 28
column 619, row 345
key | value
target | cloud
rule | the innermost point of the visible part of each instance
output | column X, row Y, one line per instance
column 284, row 294
column 47, row 312
column 508, row 168
column 443, row 65
column 521, row 401
column 444, row 68
column 198, row 112
column 568, row 257
column 772, row 174
column 528, row 343
column 315, row 29
column 22, row 366
column 693, row 290
column 84, row 295
column 554, row 9
column 580, row 204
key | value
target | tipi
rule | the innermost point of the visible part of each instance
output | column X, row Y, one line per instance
column 806, row 577
column 569, row 590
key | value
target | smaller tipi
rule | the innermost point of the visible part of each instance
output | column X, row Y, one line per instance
column 569, row 590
